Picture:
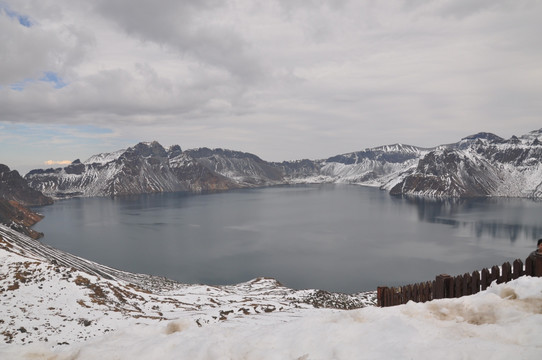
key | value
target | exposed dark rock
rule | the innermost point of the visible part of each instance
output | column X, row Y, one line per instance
column 244, row 168
column 174, row 151
column 14, row 195
column 19, row 218
column 486, row 136
column 299, row 168
column 14, row 187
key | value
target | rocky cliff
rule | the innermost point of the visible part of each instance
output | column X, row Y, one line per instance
column 14, row 194
column 14, row 187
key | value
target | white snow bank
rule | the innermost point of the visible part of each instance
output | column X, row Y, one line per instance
column 504, row 322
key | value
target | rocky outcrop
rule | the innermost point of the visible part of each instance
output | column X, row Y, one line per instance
column 196, row 177
column 245, row 169
column 14, row 194
column 19, row 218
column 14, row 187
column 450, row 173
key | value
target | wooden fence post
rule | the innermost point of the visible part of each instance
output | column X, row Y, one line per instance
column 518, row 269
column 475, row 282
column 506, row 275
column 415, row 293
column 485, row 278
column 458, row 286
column 467, row 280
column 428, row 291
column 380, row 296
column 442, row 286
column 495, row 274
column 421, row 290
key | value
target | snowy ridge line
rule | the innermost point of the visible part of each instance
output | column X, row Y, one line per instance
column 55, row 256
column 480, row 165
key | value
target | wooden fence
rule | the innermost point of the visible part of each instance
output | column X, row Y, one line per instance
column 446, row 286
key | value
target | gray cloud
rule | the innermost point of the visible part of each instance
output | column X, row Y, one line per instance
column 192, row 28
column 282, row 79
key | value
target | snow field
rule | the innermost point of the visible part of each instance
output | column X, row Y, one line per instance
column 504, row 322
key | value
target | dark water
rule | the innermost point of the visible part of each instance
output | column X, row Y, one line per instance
column 333, row 237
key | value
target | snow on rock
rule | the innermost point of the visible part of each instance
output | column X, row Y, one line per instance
column 481, row 165
column 104, row 158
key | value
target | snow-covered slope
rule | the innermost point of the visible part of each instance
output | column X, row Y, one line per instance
column 243, row 168
column 373, row 167
column 51, row 297
column 479, row 165
column 53, row 311
column 380, row 166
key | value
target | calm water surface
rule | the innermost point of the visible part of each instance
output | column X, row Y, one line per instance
column 333, row 237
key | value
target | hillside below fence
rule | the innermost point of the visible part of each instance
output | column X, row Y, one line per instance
column 446, row 286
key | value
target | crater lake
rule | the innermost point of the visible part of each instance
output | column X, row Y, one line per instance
column 343, row 238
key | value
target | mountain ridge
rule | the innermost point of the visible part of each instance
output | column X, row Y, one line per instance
column 479, row 165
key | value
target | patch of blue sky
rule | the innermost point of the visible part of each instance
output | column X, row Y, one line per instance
column 19, row 86
column 24, row 20
column 26, row 146
column 48, row 76
column 53, row 78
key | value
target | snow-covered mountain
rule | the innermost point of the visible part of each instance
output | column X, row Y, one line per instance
column 143, row 168
column 480, row 165
column 148, row 168
column 244, row 168
column 370, row 167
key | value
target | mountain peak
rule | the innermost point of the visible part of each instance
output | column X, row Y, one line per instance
column 148, row 149
column 484, row 136
column 174, row 151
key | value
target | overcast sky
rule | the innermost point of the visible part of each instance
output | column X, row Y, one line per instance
column 283, row 79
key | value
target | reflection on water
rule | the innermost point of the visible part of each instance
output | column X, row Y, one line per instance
column 333, row 237
column 464, row 215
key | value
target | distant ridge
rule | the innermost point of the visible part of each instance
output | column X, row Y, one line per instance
column 479, row 165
